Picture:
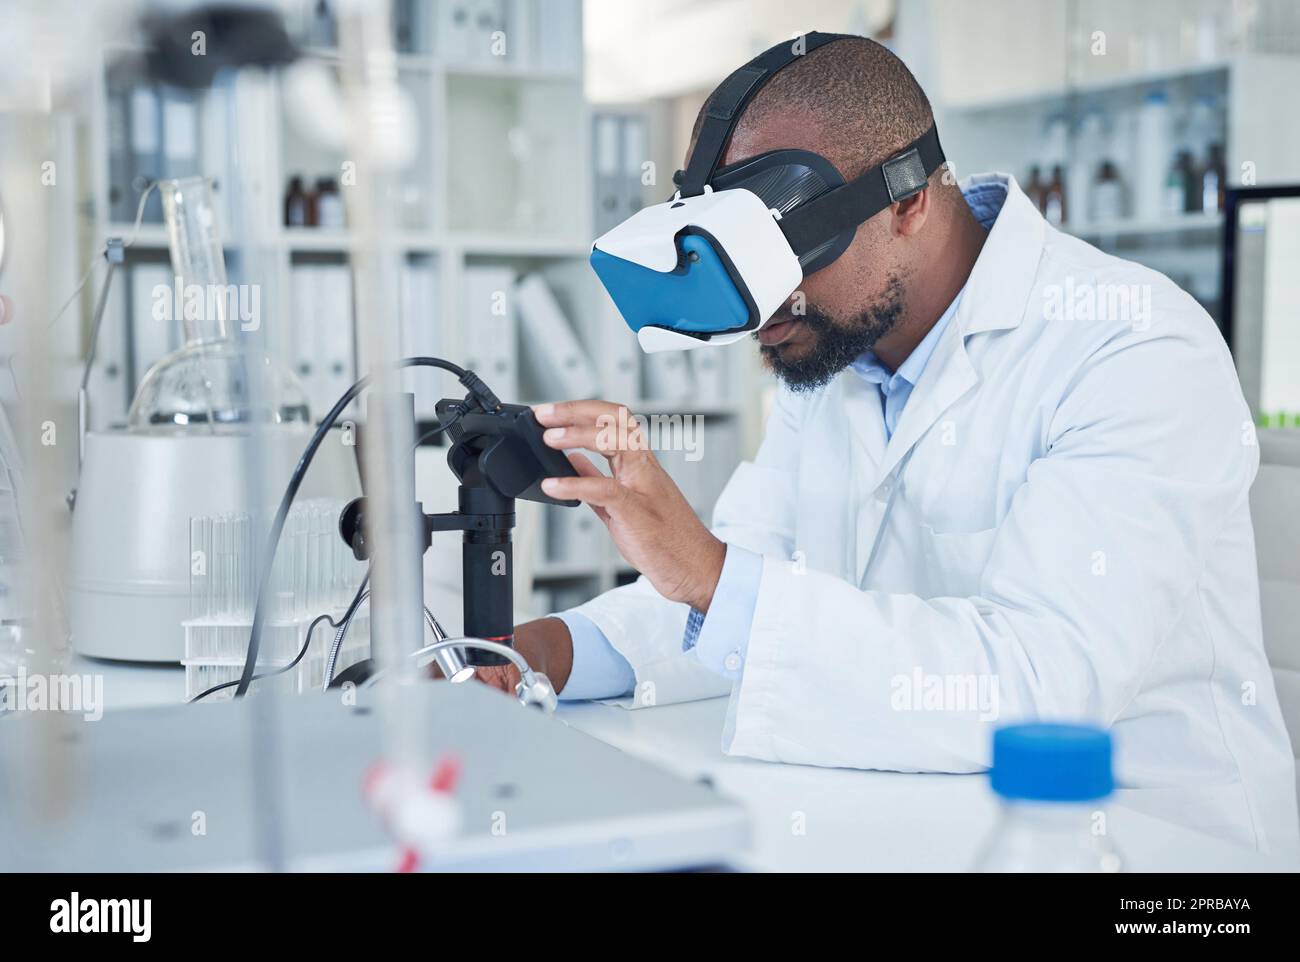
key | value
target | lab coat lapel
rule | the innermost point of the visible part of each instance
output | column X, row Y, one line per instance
column 995, row 298
column 866, row 428
column 947, row 376
column 866, row 418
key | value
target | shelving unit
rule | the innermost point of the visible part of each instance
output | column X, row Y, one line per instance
column 501, row 179
column 998, row 130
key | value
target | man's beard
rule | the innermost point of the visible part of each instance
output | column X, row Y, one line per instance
column 837, row 345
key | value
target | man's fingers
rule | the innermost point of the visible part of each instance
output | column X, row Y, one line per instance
column 582, row 464
column 498, row 677
column 602, row 492
column 567, row 413
column 608, row 437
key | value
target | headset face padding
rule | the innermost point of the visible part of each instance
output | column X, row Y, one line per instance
column 785, row 180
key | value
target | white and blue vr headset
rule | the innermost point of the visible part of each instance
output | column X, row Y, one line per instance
column 718, row 259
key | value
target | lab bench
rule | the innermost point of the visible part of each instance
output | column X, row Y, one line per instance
column 803, row 818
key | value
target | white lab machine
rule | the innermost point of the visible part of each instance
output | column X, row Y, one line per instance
column 188, row 451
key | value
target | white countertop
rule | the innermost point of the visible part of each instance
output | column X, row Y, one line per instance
column 805, row 818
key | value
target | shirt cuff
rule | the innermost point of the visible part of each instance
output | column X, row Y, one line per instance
column 720, row 638
column 598, row 671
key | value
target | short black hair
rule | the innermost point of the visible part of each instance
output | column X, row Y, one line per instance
column 854, row 85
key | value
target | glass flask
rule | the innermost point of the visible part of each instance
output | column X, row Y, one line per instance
column 205, row 385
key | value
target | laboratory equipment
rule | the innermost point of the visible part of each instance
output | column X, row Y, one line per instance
column 498, row 455
column 207, row 381
column 1212, row 180
column 1154, row 150
column 1260, row 288
column 1084, row 157
column 1107, row 194
column 314, row 575
column 533, row 690
column 185, row 452
column 1052, row 780
column 716, row 261
column 1177, row 182
column 568, row 801
column 480, row 397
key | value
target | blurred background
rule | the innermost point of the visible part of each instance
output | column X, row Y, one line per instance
column 528, row 127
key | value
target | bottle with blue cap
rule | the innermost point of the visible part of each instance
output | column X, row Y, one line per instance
column 1052, row 781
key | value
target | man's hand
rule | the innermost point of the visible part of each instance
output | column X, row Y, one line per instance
column 545, row 645
column 652, row 524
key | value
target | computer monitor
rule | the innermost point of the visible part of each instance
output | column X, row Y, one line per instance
column 1261, row 298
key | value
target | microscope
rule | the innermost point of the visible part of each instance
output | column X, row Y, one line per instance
column 498, row 456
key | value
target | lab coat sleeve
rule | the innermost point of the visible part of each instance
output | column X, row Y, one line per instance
column 598, row 670
column 756, row 512
column 721, row 640
column 1149, row 449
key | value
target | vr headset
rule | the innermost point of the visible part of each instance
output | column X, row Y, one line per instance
column 718, row 259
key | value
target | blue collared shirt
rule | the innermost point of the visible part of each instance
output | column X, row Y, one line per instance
column 721, row 640
column 896, row 386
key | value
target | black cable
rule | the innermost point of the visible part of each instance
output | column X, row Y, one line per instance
column 344, row 619
column 482, row 395
column 356, row 599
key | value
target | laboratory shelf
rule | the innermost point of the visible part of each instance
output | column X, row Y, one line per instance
column 517, row 72
column 1091, row 87
column 326, row 240
column 520, row 245
column 1211, row 221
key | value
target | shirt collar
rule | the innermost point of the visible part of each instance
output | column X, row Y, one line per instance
column 869, row 367
column 985, row 197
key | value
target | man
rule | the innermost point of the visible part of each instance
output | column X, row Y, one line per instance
column 1006, row 478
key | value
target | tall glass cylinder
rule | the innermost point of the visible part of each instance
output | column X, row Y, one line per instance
column 198, row 261
column 208, row 384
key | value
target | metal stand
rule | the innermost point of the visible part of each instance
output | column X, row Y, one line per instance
column 498, row 455
column 487, row 575
column 486, row 517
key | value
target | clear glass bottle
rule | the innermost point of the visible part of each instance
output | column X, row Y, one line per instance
column 1052, row 781
column 205, row 385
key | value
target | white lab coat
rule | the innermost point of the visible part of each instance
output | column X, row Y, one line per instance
column 1069, row 524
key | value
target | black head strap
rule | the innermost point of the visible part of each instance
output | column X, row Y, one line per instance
column 728, row 102
column 845, row 207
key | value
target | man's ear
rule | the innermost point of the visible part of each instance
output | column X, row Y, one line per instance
column 908, row 216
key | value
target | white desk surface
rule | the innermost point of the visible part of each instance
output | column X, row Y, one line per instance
column 804, row 818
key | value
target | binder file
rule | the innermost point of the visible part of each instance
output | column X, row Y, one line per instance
column 600, row 330
column 559, row 368
column 488, row 328
column 421, row 319
column 667, row 376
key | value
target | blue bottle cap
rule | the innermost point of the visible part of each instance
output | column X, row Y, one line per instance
column 1052, row 763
